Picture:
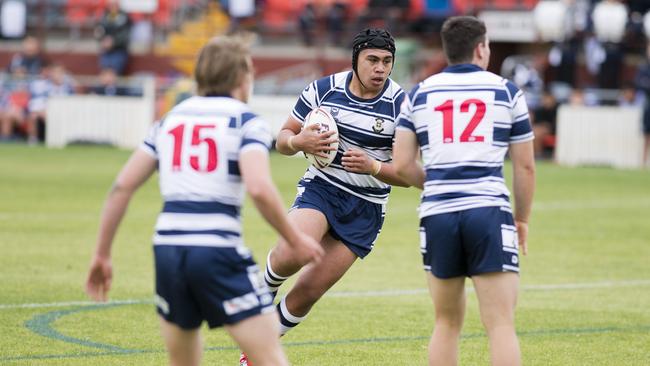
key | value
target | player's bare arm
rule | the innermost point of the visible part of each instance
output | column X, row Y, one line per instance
column 523, row 183
column 293, row 138
column 256, row 175
column 405, row 159
column 136, row 171
column 357, row 161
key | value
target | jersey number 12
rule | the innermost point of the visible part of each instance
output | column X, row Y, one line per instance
column 447, row 109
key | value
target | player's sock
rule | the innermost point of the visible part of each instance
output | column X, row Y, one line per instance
column 273, row 280
column 287, row 321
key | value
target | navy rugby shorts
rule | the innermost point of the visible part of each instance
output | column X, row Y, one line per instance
column 218, row 285
column 353, row 220
column 469, row 242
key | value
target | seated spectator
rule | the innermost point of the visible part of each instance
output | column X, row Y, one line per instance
column 388, row 14
column 29, row 58
column 108, row 85
column 336, row 19
column 113, row 33
column 544, row 124
column 14, row 103
column 308, row 23
column 54, row 81
column 630, row 97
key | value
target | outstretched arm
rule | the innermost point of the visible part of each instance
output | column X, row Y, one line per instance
column 405, row 158
column 357, row 161
column 254, row 167
column 136, row 171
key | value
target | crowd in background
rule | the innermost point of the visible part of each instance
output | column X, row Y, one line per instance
column 582, row 69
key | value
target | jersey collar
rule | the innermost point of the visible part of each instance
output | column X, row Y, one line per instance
column 462, row 68
column 350, row 95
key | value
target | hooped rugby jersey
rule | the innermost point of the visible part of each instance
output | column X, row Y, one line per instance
column 464, row 119
column 365, row 124
column 197, row 145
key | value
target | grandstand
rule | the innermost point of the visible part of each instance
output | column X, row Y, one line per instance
column 293, row 46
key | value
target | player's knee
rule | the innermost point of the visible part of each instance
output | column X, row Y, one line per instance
column 304, row 297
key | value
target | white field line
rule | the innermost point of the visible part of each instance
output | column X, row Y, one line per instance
column 382, row 293
column 538, row 205
column 589, row 204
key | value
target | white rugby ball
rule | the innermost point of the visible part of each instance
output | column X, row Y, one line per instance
column 327, row 123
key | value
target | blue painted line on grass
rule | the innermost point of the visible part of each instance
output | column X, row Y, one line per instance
column 42, row 325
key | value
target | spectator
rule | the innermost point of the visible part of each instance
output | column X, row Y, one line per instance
column 14, row 103
column 643, row 84
column 389, row 14
column 108, row 85
column 630, row 97
column 307, row 21
column 113, row 33
column 29, row 59
column 544, row 125
column 54, row 81
column 336, row 18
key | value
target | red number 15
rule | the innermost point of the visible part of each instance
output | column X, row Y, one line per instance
column 178, row 131
column 447, row 109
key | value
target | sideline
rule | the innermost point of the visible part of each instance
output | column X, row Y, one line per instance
column 378, row 293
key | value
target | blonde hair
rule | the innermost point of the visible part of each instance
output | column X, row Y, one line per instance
column 221, row 66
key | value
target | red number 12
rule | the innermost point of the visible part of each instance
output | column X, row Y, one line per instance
column 447, row 109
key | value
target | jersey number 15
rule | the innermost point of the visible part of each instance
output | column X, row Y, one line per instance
column 197, row 140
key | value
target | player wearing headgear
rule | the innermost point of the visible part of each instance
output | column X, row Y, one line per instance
column 343, row 205
column 464, row 120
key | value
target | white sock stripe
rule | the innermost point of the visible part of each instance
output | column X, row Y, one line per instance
column 287, row 315
column 270, row 271
column 271, row 282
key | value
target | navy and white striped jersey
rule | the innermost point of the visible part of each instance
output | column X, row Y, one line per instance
column 197, row 146
column 464, row 119
column 365, row 124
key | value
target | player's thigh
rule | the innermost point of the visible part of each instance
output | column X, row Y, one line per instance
column 448, row 296
column 257, row 337
column 317, row 278
column 497, row 295
column 310, row 221
column 184, row 345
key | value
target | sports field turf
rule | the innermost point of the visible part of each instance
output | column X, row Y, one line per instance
column 585, row 296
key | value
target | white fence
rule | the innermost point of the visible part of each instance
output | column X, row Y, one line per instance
column 120, row 121
column 610, row 136
column 124, row 121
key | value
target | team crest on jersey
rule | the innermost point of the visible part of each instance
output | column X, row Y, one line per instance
column 379, row 125
column 334, row 111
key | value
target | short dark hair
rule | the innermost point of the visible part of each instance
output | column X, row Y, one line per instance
column 460, row 35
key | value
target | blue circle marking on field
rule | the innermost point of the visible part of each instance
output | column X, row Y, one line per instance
column 42, row 324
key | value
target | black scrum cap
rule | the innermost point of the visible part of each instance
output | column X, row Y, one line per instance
column 371, row 38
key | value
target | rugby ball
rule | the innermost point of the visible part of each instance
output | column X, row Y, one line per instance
column 324, row 119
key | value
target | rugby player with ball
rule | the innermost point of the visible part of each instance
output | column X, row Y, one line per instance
column 344, row 124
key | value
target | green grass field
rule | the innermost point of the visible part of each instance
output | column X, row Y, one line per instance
column 585, row 296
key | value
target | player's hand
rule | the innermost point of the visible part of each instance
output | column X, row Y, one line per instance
column 522, row 236
column 357, row 161
column 99, row 279
column 305, row 248
column 311, row 141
